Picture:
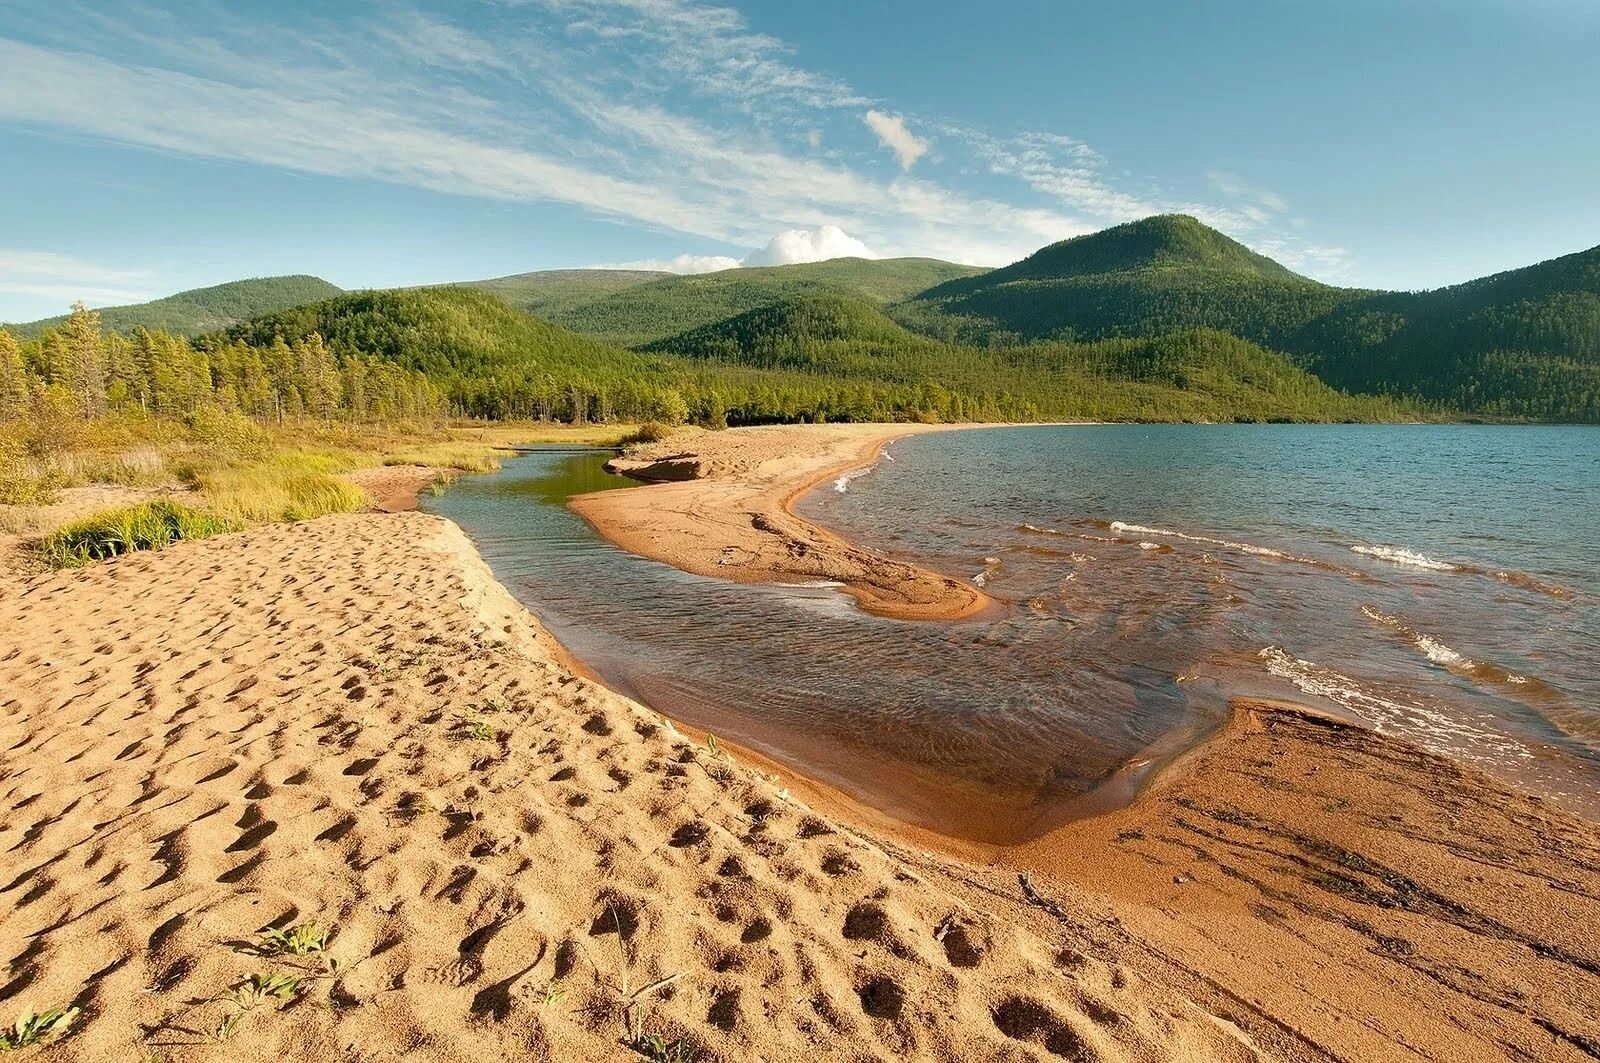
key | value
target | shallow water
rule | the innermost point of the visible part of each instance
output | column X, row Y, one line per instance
column 1436, row 582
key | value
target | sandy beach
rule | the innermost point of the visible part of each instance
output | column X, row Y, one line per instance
column 348, row 721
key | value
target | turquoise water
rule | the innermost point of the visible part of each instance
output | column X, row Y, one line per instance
column 1435, row 582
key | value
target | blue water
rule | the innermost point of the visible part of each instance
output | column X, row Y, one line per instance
column 1435, row 582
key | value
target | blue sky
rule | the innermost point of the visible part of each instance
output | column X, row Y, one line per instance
column 146, row 148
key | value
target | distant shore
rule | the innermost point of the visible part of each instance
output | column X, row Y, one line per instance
column 349, row 720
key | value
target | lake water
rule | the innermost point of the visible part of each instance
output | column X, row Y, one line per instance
column 1438, row 583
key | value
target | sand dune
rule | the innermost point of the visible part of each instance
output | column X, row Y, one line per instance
column 349, row 721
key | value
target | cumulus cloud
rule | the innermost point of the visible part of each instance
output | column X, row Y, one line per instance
column 893, row 134
column 678, row 264
column 809, row 245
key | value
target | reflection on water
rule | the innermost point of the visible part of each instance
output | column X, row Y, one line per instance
column 1435, row 582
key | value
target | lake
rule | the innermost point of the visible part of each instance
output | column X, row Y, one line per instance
column 1437, row 583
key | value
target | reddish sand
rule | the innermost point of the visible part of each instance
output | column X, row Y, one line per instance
column 349, row 721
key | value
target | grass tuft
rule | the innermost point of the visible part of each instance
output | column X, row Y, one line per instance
column 31, row 1029
column 146, row 526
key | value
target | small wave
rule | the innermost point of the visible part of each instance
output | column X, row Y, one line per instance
column 813, row 584
column 1402, row 556
column 842, row 484
column 1429, row 728
column 1124, row 528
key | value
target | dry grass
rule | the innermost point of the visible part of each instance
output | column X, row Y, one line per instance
column 240, row 473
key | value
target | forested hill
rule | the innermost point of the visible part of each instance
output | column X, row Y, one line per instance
column 201, row 310
column 1140, row 279
column 1525, row 343
column 645, row 313
column 553, row 293
column 823, row 356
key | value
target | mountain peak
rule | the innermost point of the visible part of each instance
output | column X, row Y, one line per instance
column 1163, row 241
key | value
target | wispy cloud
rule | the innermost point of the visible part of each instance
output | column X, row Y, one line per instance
column 669, row 114
column 64, row 278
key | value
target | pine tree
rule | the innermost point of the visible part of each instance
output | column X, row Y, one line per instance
column 83, row 368
column 14, row 389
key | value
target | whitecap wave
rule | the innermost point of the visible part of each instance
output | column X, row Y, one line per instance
column 842, row 484
column 1124, row 528
column 1400, row 555
column 1429, row 728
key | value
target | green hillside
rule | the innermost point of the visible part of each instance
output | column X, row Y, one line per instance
column 1140, row 279
column 201, row 309
column 1525, row 343
column 552, row 292
column 648, row 312
column 1189, row 375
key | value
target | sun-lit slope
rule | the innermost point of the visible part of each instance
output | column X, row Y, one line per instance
column 1195, row 374
column 202, row 309
column 648, row 312
column 553, row 292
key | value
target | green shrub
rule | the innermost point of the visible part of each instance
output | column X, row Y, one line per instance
column 146, row 526
column 649, row 432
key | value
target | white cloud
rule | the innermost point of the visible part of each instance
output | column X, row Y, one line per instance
column 65, row 279
column 667, row 114
column 679, row 264
column 809, row 245
column 893, row 134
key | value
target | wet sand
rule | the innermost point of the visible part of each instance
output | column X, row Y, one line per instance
column 349, row 721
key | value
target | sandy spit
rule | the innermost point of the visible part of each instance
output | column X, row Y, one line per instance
column 718, row 505
column 1338, row 894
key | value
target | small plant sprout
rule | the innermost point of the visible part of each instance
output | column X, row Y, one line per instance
column 31, row 1029
column 554, row 993
column 254, row 990
column 474, row 729
column 628, row 1000
column 494, row 703
column 306, row 939
column 658, row 1049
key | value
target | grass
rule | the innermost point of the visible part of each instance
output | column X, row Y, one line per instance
column 31, row 1029
column 288, row 487
column 235, row 472
column 146, row 526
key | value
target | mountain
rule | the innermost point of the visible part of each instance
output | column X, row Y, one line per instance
column 552, row 292
column 201, row 310
column 644, row 313
column 1525, row 343
column 1140, row 279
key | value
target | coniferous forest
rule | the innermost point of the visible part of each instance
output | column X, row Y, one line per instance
column 1162, row 319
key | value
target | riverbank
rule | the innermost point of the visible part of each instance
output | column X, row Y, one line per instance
column 349, row 721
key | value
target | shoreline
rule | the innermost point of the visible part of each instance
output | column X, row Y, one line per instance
column 267, row 726
column 727, row 515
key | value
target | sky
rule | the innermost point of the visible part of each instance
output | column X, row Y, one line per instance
column 147, row 148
